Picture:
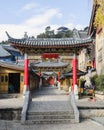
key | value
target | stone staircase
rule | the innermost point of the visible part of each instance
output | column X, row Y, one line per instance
column 50, row 117
column 49, row 108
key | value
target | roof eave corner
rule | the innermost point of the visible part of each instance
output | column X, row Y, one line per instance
column 92, row 19
column 9, row 37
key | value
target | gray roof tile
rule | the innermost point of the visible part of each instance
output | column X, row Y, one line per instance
column 76, row 40
column 49, row 64
column 3, row 52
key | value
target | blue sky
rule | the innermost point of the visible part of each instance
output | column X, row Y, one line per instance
column 32, row 16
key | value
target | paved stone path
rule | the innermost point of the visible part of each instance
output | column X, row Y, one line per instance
column 96, row 103
column 87, row 103
column 84, row 125
column 99, row 120
column 11, row 103
column 62, row 96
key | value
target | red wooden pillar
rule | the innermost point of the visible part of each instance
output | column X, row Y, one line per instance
column 59, row 76
column 74, row 66
column 26, row 87
column 40, row 81
column 58, row 80
column 93, row 63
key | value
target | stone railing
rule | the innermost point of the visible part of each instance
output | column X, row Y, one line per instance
column 27, row 101
column 75, row 109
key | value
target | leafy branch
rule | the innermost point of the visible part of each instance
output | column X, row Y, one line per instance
column 99, row 16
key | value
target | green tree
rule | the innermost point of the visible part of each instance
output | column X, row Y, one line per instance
column 3, row 42
column 99, row 16
column 48, row 33
column 62, row 32
column 98, row 82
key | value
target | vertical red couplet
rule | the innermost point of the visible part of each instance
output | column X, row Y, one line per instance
column 74, row 63
column 26, row 72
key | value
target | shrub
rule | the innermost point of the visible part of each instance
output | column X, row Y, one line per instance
column 98, row 81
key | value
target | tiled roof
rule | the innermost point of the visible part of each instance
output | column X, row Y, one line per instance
column 12, row 66
column 49, row 64
column 13, row 51
column 3, row 52
column 8, row 47
column 80, row 34
column 46, row 42
column 79, row 73
column 49, row 74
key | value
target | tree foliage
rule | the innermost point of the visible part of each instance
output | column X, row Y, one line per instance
column 47, row 34
column 99, row 16
column 62, row 32
column 3, row 43
column 98, row 82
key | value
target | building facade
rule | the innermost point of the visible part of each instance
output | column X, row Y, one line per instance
column 33, row 49
column 98, row 34
column 12, row 78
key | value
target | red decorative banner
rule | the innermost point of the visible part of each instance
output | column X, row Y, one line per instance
column 50, row 55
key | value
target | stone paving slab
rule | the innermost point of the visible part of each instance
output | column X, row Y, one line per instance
column 84, row 125
column 98, row 119
column 49, row 91
column 45, row 106
column 11, row 103
column 97, row 107
column 90, row 103
column 50, row 98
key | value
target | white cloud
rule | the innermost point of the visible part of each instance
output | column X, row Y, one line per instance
column 77, row 26
column 29, row 6
column 80, row 27
column 43, row 18
column 34, row 25
column 17, row 31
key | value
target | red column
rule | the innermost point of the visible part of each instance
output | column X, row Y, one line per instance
column 93, row 63
column 74, row 70
column 26, row 88
column 59, row 80
column 59, row 76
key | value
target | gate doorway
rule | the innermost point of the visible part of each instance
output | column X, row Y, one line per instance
column 14, row 83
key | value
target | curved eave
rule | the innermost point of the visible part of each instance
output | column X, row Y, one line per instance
column 91, row 27
column 49, row 65
column 70, row 73
column 52, row 44
column 11, row 66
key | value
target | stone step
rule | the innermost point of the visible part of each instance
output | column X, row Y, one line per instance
column 50, row 117
column 50, row 121
column 50, row 112
column 32, row 117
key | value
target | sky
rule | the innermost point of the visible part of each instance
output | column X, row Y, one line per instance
column 33, row 16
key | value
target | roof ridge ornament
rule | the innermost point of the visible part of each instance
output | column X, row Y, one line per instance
column 75, row 33
column 25, row 35
column 8, row 35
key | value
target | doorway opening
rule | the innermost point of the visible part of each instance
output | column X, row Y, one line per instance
column 14, row 83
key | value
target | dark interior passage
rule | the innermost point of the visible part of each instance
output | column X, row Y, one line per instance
column 14, row 83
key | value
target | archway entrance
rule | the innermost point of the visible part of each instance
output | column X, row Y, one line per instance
column 51, row 81
column 14, row 83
